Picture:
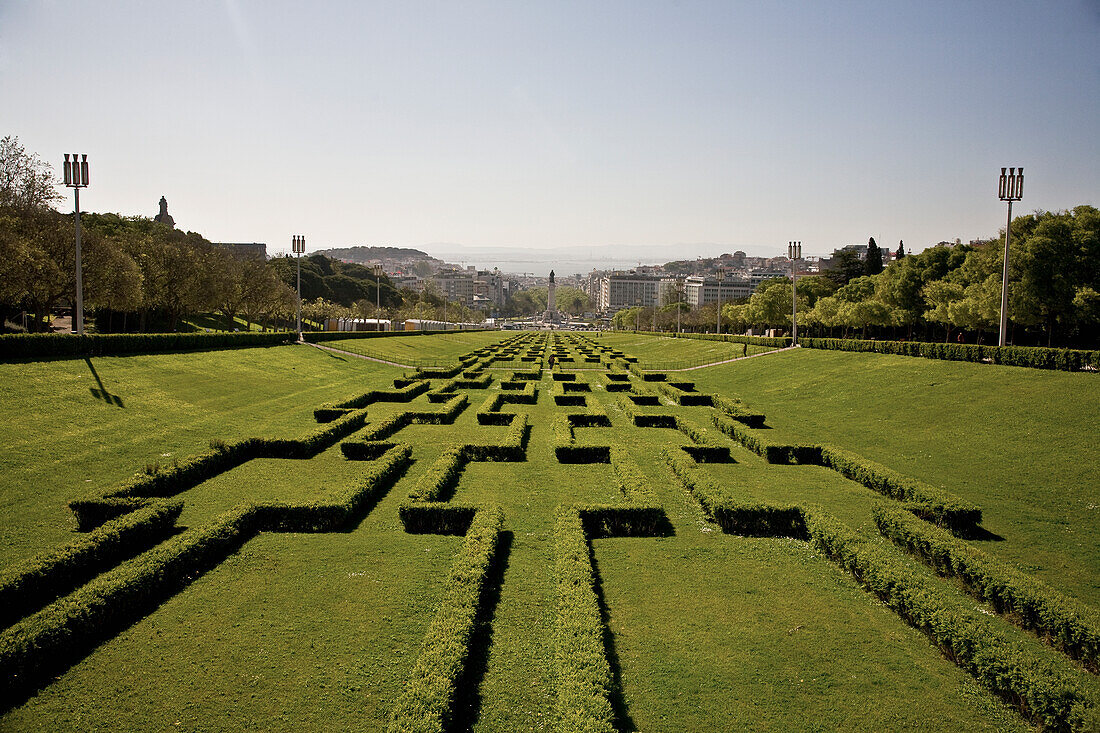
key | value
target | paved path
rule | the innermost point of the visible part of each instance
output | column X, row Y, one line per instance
column 358, row 356
column 738, row 358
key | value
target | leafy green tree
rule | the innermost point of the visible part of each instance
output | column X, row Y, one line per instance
column 845, row 266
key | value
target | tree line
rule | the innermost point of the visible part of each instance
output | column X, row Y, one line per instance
column 945, row 292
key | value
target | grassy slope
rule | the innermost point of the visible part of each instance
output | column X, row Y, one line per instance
column 70, row 439
column 412, row 350
column 663, row 352
column 1022, row 443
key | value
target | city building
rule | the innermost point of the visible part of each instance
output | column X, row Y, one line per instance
column 628, row 289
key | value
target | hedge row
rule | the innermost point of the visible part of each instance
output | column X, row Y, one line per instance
column 365, row 450
column 1035, row 357
column 928, row 502
column 92, row 511
column 582, row 674
column 769, row 450
column 705, row 448
column 773, row 342
column 337, row 509
column 427, row 703
column 318, row 336
column 748, row 518
column 1035, row 679
column 45, row 345
column 46, row 643
column 436, row 517
column 526, row 376
column 27, row 587
column 331, row 410
column 1065, row 623
column 736, row 409
column 683, row 397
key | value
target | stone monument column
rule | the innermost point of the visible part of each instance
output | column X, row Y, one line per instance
column 551, row 300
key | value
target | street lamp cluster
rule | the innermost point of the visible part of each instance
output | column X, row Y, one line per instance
column 298, row 247
column 1010, row 188
column 75, row 173
column 794, row 252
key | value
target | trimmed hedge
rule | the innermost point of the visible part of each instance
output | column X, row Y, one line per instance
column 774, row 342
column 1035, row 357
column 427, row 703
column 27, row 587
column 441, row 478
column 1036, row 680
column 318, row 336
column 582, row 674
column 735, row 409
column 1065, row 623
column 364, row 450
column 747, row 518
column 44, row 644
column 436, row 518
column 927, row 502
column 770, row 451
column 332, row 410
column 56, row 345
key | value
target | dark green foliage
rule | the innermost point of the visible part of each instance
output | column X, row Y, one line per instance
column 364, row 450
column 1063, row 622
column 582, row 675
column 1035, row 681
column 928, row 502
column 735, row 409
column 873, row 264
column 45, row 345
column 765, row 448
column 1035, row 357
column 407, row 393
column 30, row 585
column 781, row 342
column 49, row 641
column 428, row 699
column 441, row 478
column 436, row 518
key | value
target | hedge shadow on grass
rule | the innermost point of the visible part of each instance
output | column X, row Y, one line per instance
column 622, row 722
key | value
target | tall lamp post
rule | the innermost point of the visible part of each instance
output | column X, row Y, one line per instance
column 721, row 274
column 1010, row 188
column 298, row 245
column 377, row 296
column 794, row 252
column 76, row 178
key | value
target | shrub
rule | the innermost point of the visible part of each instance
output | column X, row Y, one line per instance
column 410, row 391
column 364, row 450
column 927, row 502
column 771, row 452
column 30, row 585
column 1062, row 622
column 1035, row 357
column 582, row 674
column 47, row 345
column 427, row 702
column 441, row 478
column 733, row 408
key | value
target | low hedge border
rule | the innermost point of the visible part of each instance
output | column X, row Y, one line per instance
column 774, row 342
column 1034, row 679
column 331, row 410
column 30, row 346
column 427, row 702
column 27, row 587
column 747, row 518
column 770, row 451
column 927, row 502
column 735, row 409
column 684, row 398
column 1034, row 357
column 582, row 674
column 1064, row 623
column 318, row 336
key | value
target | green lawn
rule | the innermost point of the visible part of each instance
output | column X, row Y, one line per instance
column 1022, row 443
column 667, row 352
column 706, row 631
column 420, row 350
column 79, row 425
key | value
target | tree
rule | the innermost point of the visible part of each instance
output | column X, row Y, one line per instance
column 940, row 294
column 26, row 181
column 901, row 250
column 873, row 264
column 845, row 266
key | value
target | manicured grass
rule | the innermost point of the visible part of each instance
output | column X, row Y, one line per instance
column 1019, row 442
column 665, row 352
column 79, row 425
column 707, row 631
column 432, row 348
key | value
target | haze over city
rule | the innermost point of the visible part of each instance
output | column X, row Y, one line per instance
column 617, row 131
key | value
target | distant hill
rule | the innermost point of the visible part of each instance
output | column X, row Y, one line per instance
column 366, row 254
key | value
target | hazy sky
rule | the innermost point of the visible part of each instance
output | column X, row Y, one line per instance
column 699, row 127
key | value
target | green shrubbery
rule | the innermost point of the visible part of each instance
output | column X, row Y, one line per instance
column 27, row 587
column 411, row 389
column 49, row 345
column 1036, row 681
column 1035, row 357
column 427, row 703
column 582, row 674
column 762, row 446
column 1063, row 622
column 735, row 409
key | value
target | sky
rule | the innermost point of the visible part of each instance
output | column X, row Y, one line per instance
column 614, row 130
